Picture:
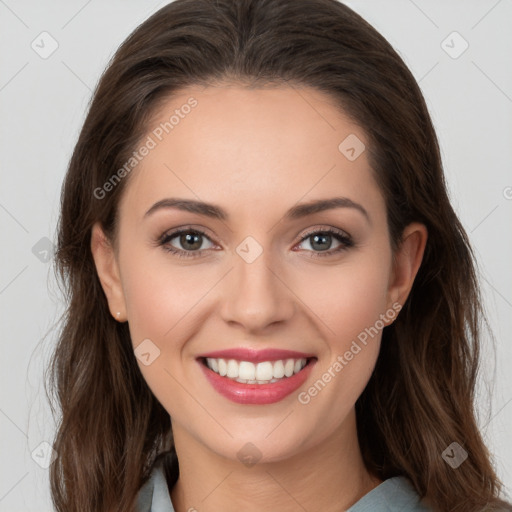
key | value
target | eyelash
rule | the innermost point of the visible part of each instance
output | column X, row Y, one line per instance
column 346, row 242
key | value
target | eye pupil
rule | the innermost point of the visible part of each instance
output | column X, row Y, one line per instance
column 322, row 238
column 193, row 239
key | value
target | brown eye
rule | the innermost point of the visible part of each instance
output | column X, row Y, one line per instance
column 189, row 242
column 321, row 241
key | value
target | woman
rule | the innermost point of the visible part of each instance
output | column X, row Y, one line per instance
column 272, row 302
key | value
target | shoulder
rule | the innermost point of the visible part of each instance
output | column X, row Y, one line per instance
column 393, row 495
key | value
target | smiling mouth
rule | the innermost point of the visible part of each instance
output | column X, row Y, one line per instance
column 264, row 372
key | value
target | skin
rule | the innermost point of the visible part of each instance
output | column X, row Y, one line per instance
column 257, row 153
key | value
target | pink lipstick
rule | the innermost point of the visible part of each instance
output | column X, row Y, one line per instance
column 249, row 376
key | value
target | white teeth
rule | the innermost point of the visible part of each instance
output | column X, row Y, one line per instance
column 214, row 365
column 223, row 367
column 264, row 371
column 246, row 370
column 244, row 381
column 278, row 370
column 232, row 369
column 260, row 373
column 288, row 367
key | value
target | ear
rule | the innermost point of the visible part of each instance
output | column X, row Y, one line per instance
column 108, row 272
column 406, row 262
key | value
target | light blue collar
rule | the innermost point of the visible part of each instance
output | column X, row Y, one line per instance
column 393, row 495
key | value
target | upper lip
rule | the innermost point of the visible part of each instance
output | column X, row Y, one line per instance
column 256, row 356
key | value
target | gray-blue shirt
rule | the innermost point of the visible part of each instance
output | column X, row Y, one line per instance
column 393, row 495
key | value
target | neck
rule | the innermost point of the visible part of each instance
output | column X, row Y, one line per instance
column 328, row 477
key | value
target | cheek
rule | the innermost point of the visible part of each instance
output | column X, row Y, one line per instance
column 159, row 294
column 350, row 304
column 348, row 299
column 160, row 300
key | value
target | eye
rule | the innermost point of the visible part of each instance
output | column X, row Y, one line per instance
column 190, row 240
column 320, row 241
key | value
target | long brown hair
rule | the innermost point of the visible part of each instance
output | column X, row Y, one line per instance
column 420, row 397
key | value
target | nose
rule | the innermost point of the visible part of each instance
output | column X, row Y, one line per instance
column 256, row 295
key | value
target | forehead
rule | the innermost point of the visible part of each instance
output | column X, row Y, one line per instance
column 251, row 147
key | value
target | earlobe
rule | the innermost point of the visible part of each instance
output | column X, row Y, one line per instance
column 108, row 272
column 407, row 261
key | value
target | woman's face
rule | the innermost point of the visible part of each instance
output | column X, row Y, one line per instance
column 255, row 270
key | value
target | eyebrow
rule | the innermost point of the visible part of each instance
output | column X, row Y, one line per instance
column 296, row 212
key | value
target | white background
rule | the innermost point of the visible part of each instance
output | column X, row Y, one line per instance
column 43, row 104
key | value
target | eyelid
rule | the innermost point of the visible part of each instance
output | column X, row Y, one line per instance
column 324, row 228
column 171, row 233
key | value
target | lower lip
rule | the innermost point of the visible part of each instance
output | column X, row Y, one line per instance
column 257, row 393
